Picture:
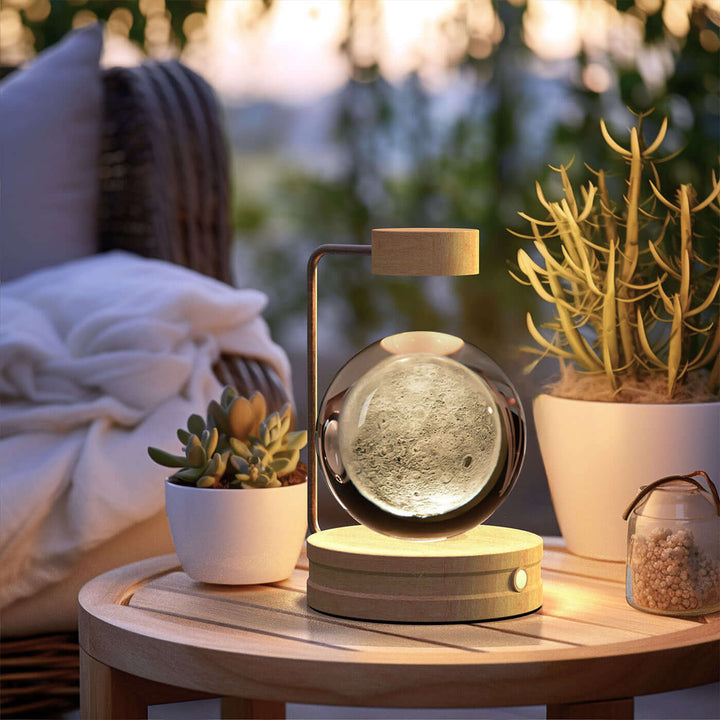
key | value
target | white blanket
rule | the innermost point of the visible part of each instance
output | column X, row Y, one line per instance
column 100, row 358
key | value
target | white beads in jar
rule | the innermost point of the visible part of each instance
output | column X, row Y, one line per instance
column 670, row 572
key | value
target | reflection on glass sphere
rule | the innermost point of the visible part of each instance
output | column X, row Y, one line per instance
column 421, row 436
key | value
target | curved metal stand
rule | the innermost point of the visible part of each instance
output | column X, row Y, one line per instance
column 312, row 367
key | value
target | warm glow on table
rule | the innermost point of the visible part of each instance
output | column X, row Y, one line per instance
column 261, row 642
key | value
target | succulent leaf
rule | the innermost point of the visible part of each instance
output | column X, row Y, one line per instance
column 212, row 442
column 165, row 458
column 241, row 417
column 296, row 440
column 281, row 466
column 189, row 473
column 257, row 400
column 213, row 465
column 196, row 455
column 260, row 453
column 292, row 455
column 217, row 417
column 222, row 462
column 263, row 480
column 267, row 427
column 240, row 464
column 240, row 448
column 228, row 395
column 196, row 424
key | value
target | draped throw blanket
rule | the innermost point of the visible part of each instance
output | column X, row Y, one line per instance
column 100, row 358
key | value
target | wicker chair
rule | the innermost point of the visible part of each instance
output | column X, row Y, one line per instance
column 164, row 194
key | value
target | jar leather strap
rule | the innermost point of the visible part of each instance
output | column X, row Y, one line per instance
column 671, row 478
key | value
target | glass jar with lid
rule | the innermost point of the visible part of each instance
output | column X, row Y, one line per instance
column 673, row 561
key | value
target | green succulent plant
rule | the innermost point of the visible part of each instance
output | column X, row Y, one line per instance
column 235, row 445
column 632, row 294
column 262, row 459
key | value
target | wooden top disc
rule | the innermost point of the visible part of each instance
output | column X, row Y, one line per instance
column 425, row 251
column 482, row 549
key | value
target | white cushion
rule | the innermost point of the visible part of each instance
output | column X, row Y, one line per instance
column 50, row 125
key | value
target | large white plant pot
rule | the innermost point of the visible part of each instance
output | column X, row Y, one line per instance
column 237, row 537
column 598, row 454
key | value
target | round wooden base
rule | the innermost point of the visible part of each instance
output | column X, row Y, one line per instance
column 487, row 573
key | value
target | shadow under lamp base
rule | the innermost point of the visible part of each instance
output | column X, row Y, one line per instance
column 488, row 573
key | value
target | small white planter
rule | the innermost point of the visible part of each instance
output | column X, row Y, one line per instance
column 237, row 537
column 598, row 454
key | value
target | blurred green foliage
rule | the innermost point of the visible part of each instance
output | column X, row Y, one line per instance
column 481, row 170
column 476, row 170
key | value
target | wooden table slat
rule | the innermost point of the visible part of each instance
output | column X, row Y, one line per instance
column 557, row 557
column 285, row 612
column 569, row 631
column 599, row 603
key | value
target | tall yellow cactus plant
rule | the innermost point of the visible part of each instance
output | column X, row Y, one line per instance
column 632, row 295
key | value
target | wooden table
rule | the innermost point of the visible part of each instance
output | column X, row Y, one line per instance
column 149, row 634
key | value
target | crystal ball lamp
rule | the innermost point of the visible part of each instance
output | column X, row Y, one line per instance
column 420, row 437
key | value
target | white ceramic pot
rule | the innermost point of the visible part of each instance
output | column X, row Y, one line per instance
column 237, row 537
column 598, row 454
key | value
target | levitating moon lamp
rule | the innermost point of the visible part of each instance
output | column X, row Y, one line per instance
column 420, row 437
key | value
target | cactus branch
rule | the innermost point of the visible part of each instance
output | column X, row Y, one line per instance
column 628, row 272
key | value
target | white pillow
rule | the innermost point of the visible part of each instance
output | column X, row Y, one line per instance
column 50, row 125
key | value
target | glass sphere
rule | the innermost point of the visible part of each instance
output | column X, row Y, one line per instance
column 421, row 435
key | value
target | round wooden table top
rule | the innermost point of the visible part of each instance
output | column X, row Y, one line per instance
column 586, row 643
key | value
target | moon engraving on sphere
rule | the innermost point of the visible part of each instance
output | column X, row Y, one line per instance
column 419, row 435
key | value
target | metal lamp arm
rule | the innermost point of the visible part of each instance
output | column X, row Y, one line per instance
column 312, row 366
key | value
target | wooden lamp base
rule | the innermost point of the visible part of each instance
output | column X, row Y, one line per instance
column 487, row 573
